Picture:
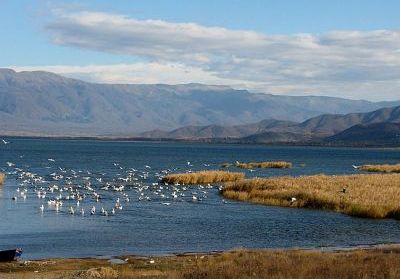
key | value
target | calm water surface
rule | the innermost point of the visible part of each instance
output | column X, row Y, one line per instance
column 151, row 227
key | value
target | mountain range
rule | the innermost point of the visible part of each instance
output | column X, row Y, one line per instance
column 368, row 134
column 46, row 104
column 353, row 128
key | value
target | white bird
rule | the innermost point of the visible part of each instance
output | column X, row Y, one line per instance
column 5, row 142
column 71, row 210
column 51, row 160
column 82, row 211
column 42, row 208
column 356, row 167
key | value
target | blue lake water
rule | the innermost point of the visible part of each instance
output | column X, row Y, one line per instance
column 154, row 222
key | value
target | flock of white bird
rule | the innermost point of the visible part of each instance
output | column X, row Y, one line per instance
column 89, row 193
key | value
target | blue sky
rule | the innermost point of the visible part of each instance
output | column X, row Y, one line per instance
column 50, row 35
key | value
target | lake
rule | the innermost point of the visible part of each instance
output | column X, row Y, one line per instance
column 153, row 222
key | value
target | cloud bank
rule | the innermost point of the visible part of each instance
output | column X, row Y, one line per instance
column 351, row 64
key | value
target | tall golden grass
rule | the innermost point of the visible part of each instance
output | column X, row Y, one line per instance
column 2, row 178
column 203, row 177
column 272, row 165
column 381, row 168
column 363, row 195
column 296, row 264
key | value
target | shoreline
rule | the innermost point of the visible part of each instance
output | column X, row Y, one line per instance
column 366, row 261
column 322, row 248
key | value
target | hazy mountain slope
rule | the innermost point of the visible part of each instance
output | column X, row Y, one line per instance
column 217, row 131
column 376, row 127
column 327, row 125
column 316, row 127
column 276, row 137
column 374, row 134
column 41, row 103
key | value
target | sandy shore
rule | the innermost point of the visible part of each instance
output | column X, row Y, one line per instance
column 380, row 261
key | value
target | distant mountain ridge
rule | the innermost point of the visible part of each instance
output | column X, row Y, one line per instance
column 368, row 134
column 327, row 125
column 46, row 104
column 218, row 131
column 325, row 128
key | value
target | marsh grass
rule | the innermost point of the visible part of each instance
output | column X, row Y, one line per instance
column 297, row 264
column 203, row 177
column 364, row 195
column 386, row 168
column 2, row 178
column 265, row 165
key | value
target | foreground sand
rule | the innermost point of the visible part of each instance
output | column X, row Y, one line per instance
column 380, row 262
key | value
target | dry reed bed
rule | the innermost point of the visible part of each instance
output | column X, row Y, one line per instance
column 363, row 195
column 203, row 177
column 265, row 165
column 2, row 178
column 297, row 264
column 386, row 168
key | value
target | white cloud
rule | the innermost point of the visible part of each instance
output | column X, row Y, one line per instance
column 148, row 73
column 350, row 64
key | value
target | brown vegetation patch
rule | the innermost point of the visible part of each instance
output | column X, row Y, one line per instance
column 203, row 177
column 381, row 168
column 2, row 178
column 265, row 165
column 297, row 264
column 100, row 272
column 372, row 196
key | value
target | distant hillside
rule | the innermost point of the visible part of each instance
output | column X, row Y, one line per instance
column 277, row 137
column 370, row 134
column 46, row 104
column 268, row 131
column 327, row 125
column 216, row 131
